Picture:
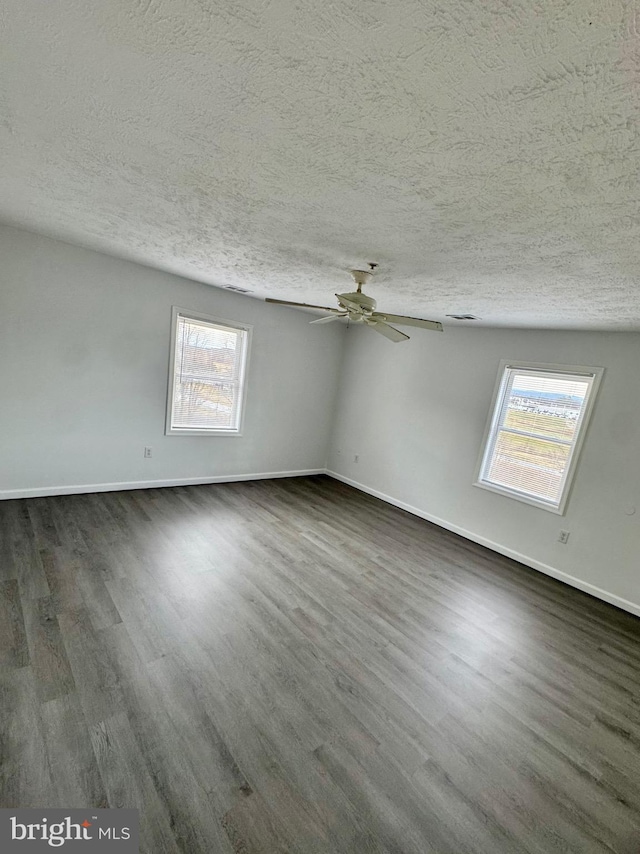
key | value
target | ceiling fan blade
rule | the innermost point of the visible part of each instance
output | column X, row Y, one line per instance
column 330, row 318
column 388, row 331
column 401, row 320
column 301, row 304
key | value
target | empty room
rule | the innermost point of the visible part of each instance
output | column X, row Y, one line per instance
column 320, row 427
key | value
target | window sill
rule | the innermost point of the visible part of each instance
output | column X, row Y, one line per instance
column 523, row 497
column 206, row 432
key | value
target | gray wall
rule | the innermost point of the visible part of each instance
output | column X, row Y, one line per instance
column 416, row 412
column 84, row 355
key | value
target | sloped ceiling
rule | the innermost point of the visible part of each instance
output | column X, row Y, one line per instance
column 484, row 152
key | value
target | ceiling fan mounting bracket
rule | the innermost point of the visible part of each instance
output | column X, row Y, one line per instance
column 361, row 277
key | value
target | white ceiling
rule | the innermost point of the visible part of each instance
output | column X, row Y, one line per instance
column 484, row 152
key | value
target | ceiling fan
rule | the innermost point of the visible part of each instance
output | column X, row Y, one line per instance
column 360, row 308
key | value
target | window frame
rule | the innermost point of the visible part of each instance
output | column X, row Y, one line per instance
column 170, row 430
column 594, row 374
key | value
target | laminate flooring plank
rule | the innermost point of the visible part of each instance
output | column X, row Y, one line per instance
column 618, row 741
column 26, row 555
column 128, row 783
column 96, row 682
column 251, row 829
column 623, row 788
column 25, row 776
column 61, row 573
column 156, row 628
column 96, row 599
column 101, row 536
column 47, row 652
column 257, row 825
column 14, row 649
column 74, row 770
column 65, row 519
column 208, row 753
column 43, row 525
column 8, row 516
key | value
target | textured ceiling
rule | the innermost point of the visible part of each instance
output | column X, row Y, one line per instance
column 484, row 152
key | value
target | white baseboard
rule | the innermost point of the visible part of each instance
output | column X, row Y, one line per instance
column 598, row 592
column 40, row 491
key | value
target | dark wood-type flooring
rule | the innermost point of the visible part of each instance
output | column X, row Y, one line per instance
column 293, row 666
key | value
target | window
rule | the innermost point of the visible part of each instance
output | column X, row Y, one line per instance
column 539, row 419
column 207, row 373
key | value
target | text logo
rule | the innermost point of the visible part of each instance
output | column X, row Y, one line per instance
column 39, row 830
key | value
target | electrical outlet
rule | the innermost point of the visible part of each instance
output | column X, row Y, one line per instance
column 563, row 537
column 147, row 452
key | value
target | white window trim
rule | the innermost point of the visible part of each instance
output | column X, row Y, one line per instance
column 490, row 434
column 177, row 311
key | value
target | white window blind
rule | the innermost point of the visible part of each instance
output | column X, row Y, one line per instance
column 208, row 365
column 539, row 418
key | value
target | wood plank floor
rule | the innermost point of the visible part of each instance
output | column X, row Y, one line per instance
column 293, row 666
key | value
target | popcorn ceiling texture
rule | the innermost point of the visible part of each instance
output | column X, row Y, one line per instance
column 484, row 152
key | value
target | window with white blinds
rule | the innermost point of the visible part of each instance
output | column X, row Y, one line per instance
column 539, row 419
column 207, row 373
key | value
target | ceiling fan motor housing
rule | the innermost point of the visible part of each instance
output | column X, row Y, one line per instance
column 366, row 304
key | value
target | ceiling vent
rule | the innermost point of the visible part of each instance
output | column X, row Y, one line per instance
column 237, row 290
column 462, row 316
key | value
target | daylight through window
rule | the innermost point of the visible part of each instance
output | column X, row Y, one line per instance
column 208, row 367
column 538, row 421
